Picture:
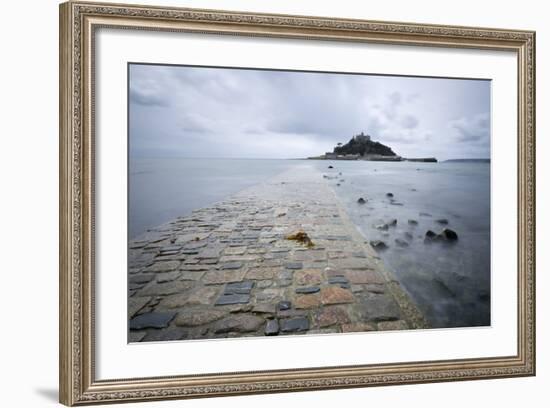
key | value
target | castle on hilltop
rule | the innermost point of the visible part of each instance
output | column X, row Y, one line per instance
column 362, row 147
column 362, row 138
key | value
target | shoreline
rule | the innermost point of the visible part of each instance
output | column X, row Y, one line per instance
column 228, row 270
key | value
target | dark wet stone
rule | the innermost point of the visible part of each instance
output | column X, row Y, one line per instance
column 361, row 200
column 430, row 235
column 330, row 167
column 284, row 305
column 396, row 203
column 382, row 227
column 232, row 265
column 308, row 289
column 401, row 243
column 449, row 234
column 170, row 248
column 293, row 265
column 153, row 320
column 443, row 221
column 338, row 280
column 412, row 222
column 190, row 251
column 380, row 308
column 272, row 328
column 378, row 245
column 389, row 194
column 142, row 278
column 195, row 245
column 232, row 299
column 392, row 223
column 238, row 288
column 425, row 214
column 295, row 324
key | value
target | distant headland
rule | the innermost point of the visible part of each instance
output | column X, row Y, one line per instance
column 362, row 147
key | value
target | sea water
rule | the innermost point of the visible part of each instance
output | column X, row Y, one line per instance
column 450, row 282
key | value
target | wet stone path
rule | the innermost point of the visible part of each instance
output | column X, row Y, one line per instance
column 230, row 270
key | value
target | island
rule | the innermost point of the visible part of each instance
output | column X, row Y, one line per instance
column 362, row 147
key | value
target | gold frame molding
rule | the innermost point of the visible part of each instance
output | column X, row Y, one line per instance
column 78, row 22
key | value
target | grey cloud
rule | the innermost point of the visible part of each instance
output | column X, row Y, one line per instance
column 145, row 98
column 409, row 122
column 472, row 129
column 259, row 113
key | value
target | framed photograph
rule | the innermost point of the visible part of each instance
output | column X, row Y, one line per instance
column 256, row 203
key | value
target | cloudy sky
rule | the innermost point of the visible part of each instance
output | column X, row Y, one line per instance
column 220, row 112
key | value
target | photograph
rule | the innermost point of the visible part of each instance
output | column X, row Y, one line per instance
column 269, row 201
column 266, row 202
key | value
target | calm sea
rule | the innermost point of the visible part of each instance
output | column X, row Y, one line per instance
column 450, row 283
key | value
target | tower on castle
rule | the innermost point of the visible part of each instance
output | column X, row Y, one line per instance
column 362, row 137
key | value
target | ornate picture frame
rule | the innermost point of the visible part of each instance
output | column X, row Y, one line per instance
column 79, row 22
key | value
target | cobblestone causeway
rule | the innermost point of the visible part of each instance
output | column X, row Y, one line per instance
column 229, row 270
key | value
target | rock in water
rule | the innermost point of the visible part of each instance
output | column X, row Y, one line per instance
column 378, row 245
column 445, row 235
column 392, row 223
column 413, row 222
column 449, row 234
column 389, row 194
column 443, row 221
column 430, row 235
column 330, row 167
column 361, row 200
